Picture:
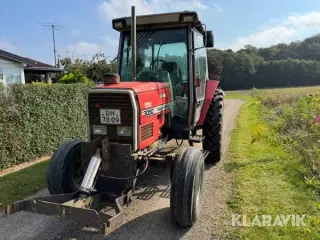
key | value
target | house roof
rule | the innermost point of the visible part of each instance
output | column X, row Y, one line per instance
column 14, row 57
column 40, row 66
column 31, row 64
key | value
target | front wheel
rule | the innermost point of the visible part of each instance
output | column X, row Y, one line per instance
column 65, row 171
column 187, row 187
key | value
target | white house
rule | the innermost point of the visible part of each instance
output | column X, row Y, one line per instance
column 16, row 69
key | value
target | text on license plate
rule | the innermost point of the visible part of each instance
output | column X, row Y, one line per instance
column 110, row 116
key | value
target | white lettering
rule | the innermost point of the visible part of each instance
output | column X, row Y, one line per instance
column 235, row 220
column 285, row 219
column 266, row 220
column 256, row 221
column 300, row 221
column 277, row 222
column 244, row 221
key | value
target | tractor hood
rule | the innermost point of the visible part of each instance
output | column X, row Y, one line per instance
column 137, row 87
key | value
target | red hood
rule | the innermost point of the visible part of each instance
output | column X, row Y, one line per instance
column 138, row 87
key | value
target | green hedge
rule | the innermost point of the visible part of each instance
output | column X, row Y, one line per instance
column 36, row 119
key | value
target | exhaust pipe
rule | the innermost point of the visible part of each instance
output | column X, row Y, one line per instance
column 133, row 43
column 88, row 180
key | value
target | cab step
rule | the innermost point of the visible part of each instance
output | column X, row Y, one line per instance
column 196, row 138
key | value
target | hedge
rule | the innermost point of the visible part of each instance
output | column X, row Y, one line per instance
column 36, row 119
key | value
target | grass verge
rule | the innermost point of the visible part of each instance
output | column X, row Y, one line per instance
column 21, row 184
column 267, row 181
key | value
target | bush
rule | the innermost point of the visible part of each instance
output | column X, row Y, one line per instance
column 76, row 77
column 36, row 119
column 297, row 124
column 272, row 100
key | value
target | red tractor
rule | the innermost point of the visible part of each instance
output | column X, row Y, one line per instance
column 161, row 92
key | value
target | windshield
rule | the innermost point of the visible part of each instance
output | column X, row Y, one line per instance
column 161, row 56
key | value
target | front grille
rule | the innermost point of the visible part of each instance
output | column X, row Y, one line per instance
column 146, row 131
column 110, row 100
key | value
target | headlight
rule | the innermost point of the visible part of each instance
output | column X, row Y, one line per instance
column 100, row 129
column 125, row 131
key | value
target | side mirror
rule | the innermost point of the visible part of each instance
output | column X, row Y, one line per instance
column 209, row 40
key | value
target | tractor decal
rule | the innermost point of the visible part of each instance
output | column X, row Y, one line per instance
column 152, row 111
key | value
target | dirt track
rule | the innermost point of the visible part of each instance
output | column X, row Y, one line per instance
column 149, row 216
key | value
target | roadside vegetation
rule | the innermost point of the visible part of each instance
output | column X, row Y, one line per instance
column 274, row 156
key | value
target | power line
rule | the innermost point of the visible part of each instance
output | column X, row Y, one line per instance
column 53, row 28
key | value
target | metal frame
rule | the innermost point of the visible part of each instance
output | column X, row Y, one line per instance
column 73, row 206
column 191, row 78
column 135, row 111
column 199, row 102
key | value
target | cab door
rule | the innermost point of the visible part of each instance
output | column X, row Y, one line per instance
column 200, row 73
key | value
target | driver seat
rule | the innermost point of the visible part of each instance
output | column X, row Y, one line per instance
column 173, row 70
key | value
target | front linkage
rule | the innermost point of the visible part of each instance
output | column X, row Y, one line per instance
column 91, row 201
column 89, row 210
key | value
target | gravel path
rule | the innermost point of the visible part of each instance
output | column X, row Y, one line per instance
column 149, row 215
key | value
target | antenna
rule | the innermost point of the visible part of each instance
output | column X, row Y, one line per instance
column 53, row 27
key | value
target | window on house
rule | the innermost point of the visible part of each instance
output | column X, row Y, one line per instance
column 13, row 74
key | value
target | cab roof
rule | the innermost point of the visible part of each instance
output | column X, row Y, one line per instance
column 162, row 20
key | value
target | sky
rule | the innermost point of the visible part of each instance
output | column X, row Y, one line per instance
column 84, row 26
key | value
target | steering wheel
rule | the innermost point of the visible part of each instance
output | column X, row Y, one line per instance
column 163, row 62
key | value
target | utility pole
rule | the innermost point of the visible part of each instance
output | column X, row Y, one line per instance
column 54, row 46
column 53, row 28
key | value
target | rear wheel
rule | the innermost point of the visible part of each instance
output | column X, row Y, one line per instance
column 65, row 171
column 187, row 187
column 212, row 128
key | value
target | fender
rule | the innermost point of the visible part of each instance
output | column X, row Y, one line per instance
column 210, row 90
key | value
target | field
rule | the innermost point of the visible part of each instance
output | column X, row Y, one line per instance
column 275, row 91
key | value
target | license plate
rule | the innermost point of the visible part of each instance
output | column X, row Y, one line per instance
column 110, row 116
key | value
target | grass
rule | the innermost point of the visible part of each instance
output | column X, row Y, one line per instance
column 267, row 180
column 26, row 182
column 236, row 95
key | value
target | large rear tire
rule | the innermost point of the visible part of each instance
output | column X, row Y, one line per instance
column 187, row 187
column 212, row 128
column 65, row 171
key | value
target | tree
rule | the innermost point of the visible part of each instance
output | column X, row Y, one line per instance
column 268, row 53
column 214, row 65
column 92, row 70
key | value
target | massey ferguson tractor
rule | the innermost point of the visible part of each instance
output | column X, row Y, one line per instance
column 161, row 92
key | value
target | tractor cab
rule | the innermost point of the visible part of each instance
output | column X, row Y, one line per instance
column 170, row 48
